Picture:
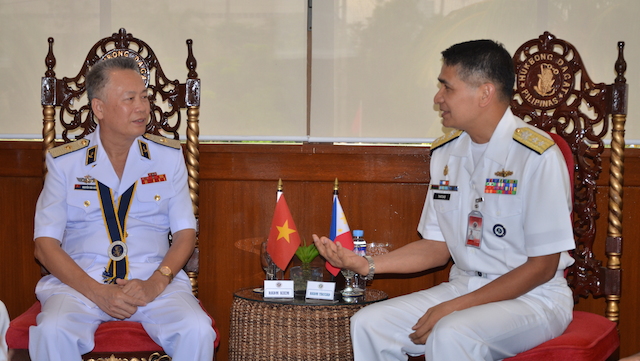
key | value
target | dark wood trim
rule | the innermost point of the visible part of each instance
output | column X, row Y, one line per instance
column 382, row 191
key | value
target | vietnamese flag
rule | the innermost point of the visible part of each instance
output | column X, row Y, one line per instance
column 339, row 231
column 283, row 239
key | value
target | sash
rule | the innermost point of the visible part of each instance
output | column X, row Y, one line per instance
column 116, row 225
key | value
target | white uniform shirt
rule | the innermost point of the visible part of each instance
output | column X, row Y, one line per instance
column 535, row 221
column 69, row 211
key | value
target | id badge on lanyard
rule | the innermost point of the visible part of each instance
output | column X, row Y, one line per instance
column 474, row 226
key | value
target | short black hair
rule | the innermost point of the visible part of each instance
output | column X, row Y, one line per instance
column 98, row 76
column 479, row 61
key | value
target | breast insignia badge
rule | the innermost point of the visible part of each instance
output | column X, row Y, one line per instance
column 88, row 183
column 503, row 173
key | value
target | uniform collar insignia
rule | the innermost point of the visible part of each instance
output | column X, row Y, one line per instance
column 503, row 173
column 92, row 155
column 144, row 149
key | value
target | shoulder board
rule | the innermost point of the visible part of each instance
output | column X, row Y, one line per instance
column 445, row 139
column 68, row 148
column 173, row 143
column 532, row 140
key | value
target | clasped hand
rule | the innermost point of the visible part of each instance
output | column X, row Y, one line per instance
column 122, row 300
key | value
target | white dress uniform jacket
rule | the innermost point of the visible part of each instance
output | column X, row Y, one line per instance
column 521, row 188
column 530, row 217
column 69, row 210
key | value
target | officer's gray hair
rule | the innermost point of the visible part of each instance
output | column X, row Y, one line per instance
column 98, row 76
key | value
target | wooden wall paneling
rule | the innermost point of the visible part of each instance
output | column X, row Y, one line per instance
column 629, row 302
column 20, row 185
column 382, row 190
column 20, row 272
column 240, row 205
column 629, row 307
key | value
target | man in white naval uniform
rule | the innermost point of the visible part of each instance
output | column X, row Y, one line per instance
column 499, row 205
column 101, row 229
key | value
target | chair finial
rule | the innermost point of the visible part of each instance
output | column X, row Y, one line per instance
column 50, row 61
column 546, row 39
column 121, row 39
column 191, row 60
column 621, row 64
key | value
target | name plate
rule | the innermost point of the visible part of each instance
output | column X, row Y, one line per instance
column 320, row 290
column 278, row 289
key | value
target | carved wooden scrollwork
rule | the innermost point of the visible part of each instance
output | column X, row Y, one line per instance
column 167, row 96
column 153, row 357
column 555, row 93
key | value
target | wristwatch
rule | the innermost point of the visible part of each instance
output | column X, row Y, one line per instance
column 166, row 271
column 372, row 268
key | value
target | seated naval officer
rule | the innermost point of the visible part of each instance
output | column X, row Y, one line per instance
column 102, row 222
column 499, row 205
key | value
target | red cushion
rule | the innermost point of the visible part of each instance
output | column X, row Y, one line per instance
column 113, row 336
column 588, row 337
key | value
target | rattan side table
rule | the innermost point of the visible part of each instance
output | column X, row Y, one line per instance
column 283, row 330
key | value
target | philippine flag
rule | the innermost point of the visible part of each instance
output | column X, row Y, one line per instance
column 339, row 231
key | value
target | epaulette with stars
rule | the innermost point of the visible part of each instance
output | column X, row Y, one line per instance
column 68, row 148
column 445, row 139
column 173, row 143
column 532, row 139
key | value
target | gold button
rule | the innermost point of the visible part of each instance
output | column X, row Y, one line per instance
column 157, row 197
column 67, row 147
column 87, row 203
column 126, row 234
column 84, row 142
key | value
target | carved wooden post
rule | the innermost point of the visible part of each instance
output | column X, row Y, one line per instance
column 192, row 100
column 613, row 248
column 48, row 98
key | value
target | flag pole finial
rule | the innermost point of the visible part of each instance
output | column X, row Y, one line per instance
column 335, row 185
column 280, row 185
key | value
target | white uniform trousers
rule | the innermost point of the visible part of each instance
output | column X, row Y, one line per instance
column 66, row 327
column 4, row 325
column 488, row 332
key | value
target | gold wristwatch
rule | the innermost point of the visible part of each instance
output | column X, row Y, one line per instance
column 166, row 271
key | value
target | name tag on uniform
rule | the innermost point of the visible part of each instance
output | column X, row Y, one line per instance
column 442, row 196
column 278, row 289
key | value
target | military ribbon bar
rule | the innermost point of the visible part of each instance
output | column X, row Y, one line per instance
column 153, row 178
column 501, row 186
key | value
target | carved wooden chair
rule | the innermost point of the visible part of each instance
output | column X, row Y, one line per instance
column 554, row 93
column 120, row 338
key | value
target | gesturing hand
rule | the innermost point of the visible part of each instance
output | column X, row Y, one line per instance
column 339, row 256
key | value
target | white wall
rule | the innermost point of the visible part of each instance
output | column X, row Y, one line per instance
column 374, row 64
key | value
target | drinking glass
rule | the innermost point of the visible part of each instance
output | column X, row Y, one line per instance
column 349, row 289
column 273, row 272
column 268, row 266
column 377, row 249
